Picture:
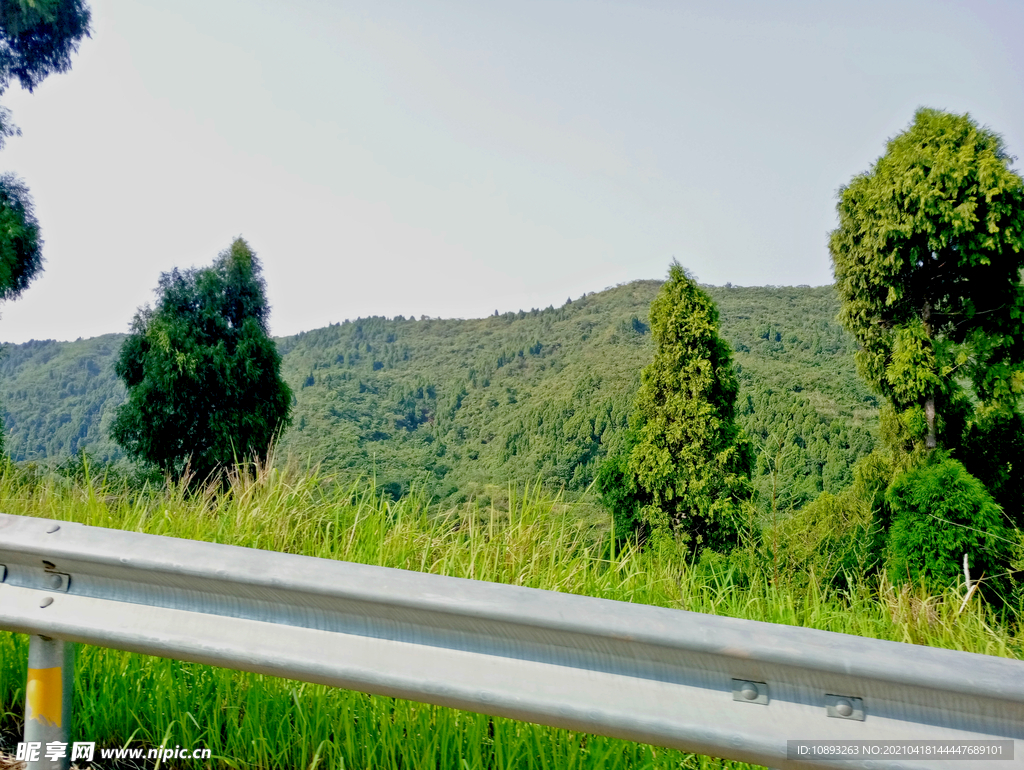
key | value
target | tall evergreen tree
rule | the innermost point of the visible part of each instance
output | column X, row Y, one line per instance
column 689, row 466
column 203, row 375
column 928, row 258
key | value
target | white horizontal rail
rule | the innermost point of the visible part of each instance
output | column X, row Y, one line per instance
column 719, row 686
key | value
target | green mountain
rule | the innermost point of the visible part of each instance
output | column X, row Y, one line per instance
column 461, row 407
column 59, row 397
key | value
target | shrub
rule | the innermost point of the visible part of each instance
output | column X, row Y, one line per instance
column 994, row 442
column 828, row 540
column 939, row 512
column 617, row 491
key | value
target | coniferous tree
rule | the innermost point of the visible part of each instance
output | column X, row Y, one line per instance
column 927, row 258
column 203, row 376
column 689, row 465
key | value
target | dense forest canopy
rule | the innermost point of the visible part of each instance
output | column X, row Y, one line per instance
column 461, row 407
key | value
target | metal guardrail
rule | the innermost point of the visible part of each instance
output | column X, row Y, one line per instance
column 719, row 686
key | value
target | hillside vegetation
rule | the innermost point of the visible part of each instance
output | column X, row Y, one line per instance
column 59, row 398
column 458, row 408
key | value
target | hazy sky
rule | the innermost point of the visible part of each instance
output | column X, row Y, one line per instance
column 450, row 159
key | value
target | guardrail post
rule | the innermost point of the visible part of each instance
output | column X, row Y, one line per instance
column 48, row 703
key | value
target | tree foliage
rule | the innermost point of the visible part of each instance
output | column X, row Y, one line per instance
column 38, row 37
column 690, row 460
column 21, row 247
column 619, row 493
column 927, row 258
column 939, row 512
column 994, row 444
column 202, row 374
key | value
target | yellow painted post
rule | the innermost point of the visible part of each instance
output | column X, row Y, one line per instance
column 48, row 694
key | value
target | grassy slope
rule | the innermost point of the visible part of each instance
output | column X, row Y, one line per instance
column 252, row 721
column 461, row 407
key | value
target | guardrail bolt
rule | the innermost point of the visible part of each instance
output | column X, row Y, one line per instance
column 750, row 692
column 844, row 707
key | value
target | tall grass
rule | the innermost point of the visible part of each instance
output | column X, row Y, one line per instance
column 253, row 721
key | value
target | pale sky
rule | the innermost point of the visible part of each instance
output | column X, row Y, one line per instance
column 452, row 159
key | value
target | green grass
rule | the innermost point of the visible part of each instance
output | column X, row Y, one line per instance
column 253, row 721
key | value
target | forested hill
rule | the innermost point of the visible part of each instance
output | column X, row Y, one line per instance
column 60, row 397
column 458, row 406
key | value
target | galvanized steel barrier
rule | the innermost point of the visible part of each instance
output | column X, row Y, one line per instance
column 719, row 686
